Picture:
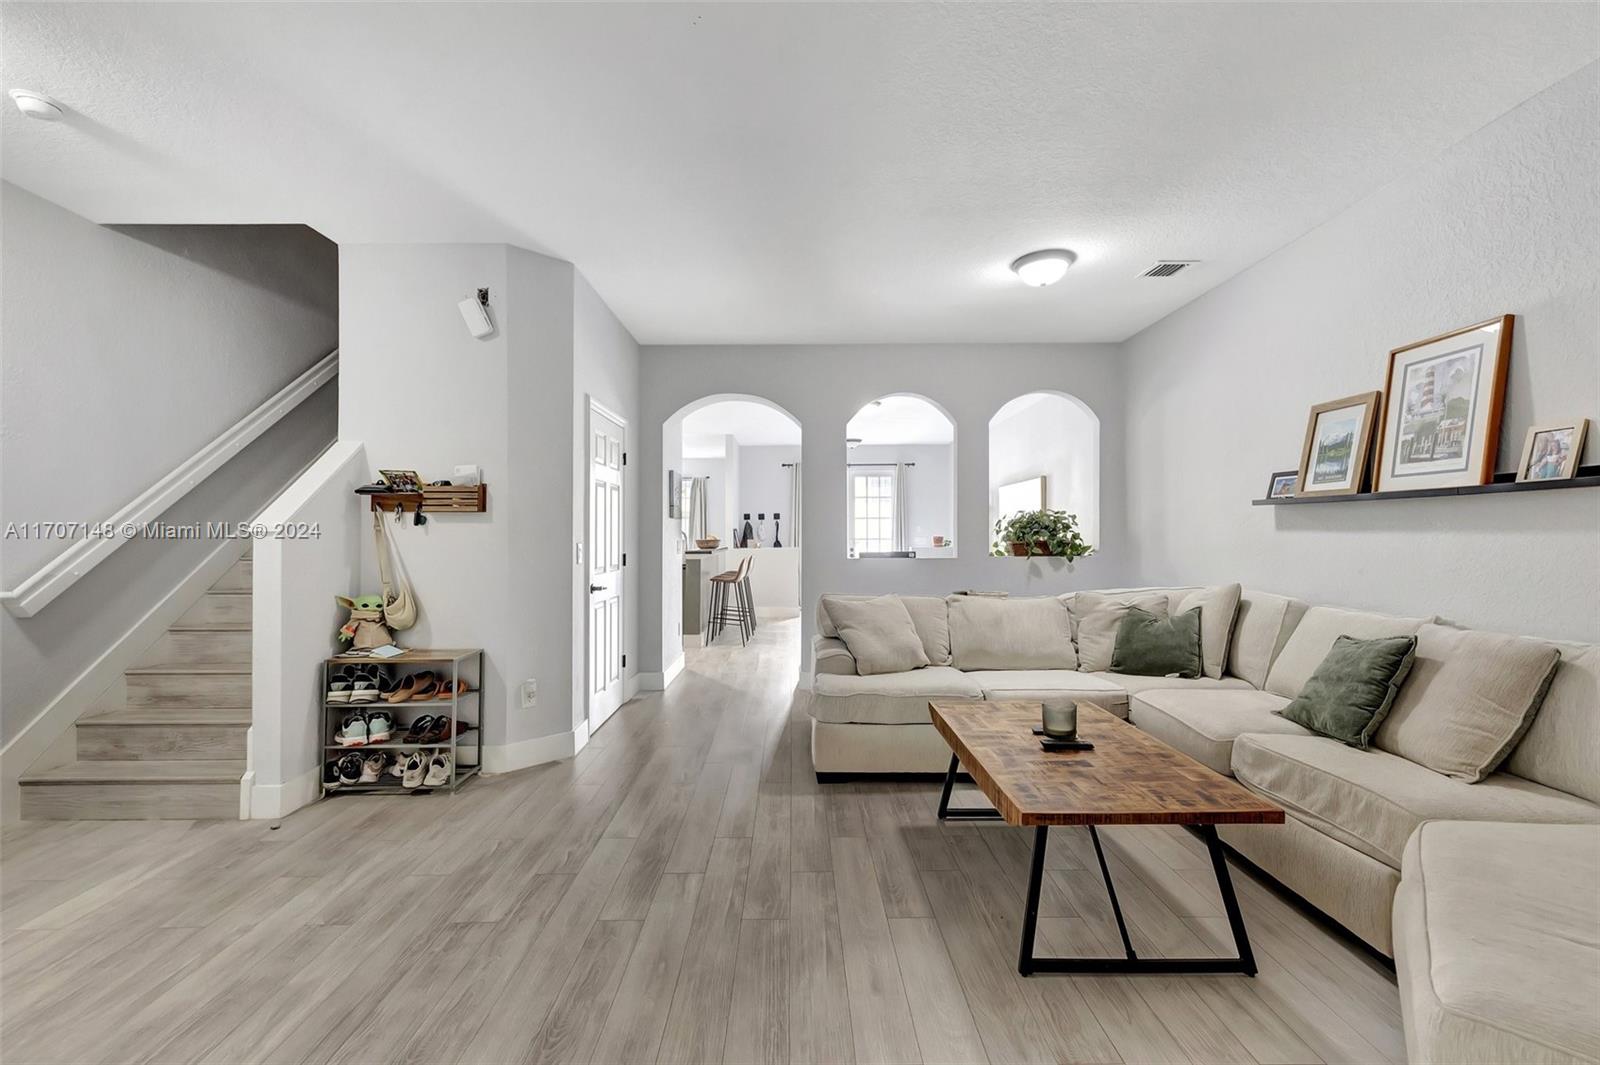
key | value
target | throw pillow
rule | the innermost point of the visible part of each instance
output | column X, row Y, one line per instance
column 1023, row 633
column 879, row 634
column 1153, row 645
column 1470, row 698
column 1347, row 697
column 928, row 616
column 1098, row 617
column 1219, row 606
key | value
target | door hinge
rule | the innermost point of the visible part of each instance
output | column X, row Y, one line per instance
column 624, row 661
column 624, row 558
column 624, row 458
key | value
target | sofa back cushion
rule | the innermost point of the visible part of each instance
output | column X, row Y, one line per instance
column 1313, row 639
column 879, row 634
column 928, row 616
column 1263, row 626
column 1469, row 699
column 1096, row 617
column 1561, row 749
column 1021, row 633
column 1219, row 606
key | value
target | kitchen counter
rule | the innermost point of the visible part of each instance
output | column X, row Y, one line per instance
column 698, row 569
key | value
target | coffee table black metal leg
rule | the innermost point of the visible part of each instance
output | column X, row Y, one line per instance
column 1029, row 963
column 1030, row 916
column 947, row 814
column 1111, row 890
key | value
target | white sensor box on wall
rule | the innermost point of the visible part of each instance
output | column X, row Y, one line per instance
column 475, row 312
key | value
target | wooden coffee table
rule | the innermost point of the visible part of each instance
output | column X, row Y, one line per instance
column 1130, row 778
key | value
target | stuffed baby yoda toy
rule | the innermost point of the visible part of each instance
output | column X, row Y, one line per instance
column 365, row 626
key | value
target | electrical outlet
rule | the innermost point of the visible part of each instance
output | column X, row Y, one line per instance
column 530, row 693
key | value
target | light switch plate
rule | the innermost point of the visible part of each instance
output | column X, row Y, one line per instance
column 530, row 693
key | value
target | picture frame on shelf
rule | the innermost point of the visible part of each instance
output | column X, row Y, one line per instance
column 1333, row 459
column 1551, row 452
column 1282, row 485
column 401, row 480
column 1444, row 399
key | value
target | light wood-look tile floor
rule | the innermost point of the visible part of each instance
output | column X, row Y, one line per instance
column 682, row 891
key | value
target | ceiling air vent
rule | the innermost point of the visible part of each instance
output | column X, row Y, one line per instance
column 1167, row 267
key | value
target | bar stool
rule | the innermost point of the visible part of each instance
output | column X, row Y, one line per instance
column 723, row 609
column 748, row 592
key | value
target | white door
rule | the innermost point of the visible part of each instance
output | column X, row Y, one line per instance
column 607, row 455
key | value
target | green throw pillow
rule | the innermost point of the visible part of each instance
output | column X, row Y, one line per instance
column 1351, row 692
column 1149, row 645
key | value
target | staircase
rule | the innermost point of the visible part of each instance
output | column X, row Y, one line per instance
column 176, row 747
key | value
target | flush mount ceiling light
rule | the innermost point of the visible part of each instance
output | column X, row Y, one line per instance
column 36, row 105
column 852, row 442
column 1040, row 268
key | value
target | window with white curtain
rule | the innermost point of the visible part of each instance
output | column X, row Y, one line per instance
column 872, row 510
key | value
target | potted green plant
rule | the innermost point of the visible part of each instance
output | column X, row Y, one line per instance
column 1040, row 532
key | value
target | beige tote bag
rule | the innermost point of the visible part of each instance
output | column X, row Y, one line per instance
column 399, row 604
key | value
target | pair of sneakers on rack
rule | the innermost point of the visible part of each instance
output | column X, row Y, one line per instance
column 355, row 769
column 361, row 682
column 424, row 770
column 364, row 727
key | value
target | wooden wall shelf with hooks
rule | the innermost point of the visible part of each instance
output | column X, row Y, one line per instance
column 444, row 499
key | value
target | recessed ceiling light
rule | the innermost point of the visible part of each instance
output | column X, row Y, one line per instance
column 36, row 105
column 1040, row 268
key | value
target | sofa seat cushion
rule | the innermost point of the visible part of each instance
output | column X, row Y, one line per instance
column 1373, row 801
column 888, row 698
column 1048, row 685
column 1497, row 943
column 1203, row 723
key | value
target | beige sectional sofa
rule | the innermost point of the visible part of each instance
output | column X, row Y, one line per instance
column 1353, row 815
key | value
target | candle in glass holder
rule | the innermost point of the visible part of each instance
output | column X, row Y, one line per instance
column 1061, row 720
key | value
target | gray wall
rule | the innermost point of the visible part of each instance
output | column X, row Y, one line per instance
column 124, row 352
column 823, row 386
column 1506, row 221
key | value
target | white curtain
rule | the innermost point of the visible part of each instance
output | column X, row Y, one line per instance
column 900, row 538
column 791, row 533
column 696, row 509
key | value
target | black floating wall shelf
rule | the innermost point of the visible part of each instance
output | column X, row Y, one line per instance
column 1588, row 477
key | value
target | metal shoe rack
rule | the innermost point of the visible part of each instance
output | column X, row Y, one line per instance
column 466, row 715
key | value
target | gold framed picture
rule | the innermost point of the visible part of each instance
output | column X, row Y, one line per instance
column 1333, row 460
column 1442, row 409
column 1551, row 452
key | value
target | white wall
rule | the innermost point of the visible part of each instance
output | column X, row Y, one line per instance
column 123, row 352
column 295, row 621
column 1055, row 439
column 514, row 404
column 764, row 481
column 823, row 386
column 1506, row 221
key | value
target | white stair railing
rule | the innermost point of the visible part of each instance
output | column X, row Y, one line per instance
column 63, row 571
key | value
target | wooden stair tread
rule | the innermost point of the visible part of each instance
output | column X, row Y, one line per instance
column 140, row 772
column 169, row 715
column 203, row 668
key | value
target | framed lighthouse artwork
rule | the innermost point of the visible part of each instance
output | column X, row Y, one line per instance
column 1442, row 409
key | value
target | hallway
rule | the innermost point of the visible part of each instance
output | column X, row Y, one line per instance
column 681, row 891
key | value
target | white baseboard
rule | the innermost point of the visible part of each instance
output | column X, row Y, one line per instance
column 510, row 757
column 659, row 682
column 41, row 734
column 269, row 802
column 630, row 687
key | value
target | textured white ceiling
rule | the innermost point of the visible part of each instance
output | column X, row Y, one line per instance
column 751, row 424
column 900, row 420
column 780, row 172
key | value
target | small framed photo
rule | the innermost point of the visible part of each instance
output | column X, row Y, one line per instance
column 1441, row 418
column 401, row 480
column 1333, row 460
column 1551, row 452
column 1283, row 484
